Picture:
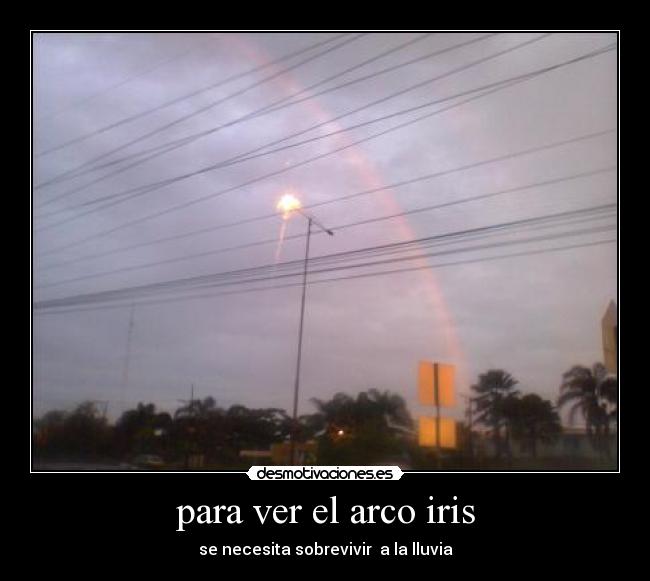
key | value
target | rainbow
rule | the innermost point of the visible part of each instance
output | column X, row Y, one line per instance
column 371, row 175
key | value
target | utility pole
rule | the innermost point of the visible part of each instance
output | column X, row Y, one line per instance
column 104, row 406
column 190, row 402
column 296, row 389
column 192, row 426
column 287, row 205
column 127, row 358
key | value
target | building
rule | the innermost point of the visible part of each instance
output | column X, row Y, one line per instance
column 609, row 326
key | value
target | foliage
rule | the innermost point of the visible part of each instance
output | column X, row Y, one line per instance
column 200, row 427
column 83, row 433
column 143, row 431
column 367, row 429
column 594, row 394
column 494, row 392
column 531, row 420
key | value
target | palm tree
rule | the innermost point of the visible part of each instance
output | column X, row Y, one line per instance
column 392, row 407
column 338, row 412
column 533, row 419
column 197, row 408
column 200, row 427
column 134, row 429
column 593, row 393
column 347, row 413
column 494, row 388
column 254, row 428
column 361, row 429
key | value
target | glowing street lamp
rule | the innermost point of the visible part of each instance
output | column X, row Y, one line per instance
column 288, row 205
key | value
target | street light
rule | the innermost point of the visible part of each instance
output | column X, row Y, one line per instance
column 287, row 205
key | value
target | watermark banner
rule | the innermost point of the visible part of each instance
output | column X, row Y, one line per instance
column 324, row 473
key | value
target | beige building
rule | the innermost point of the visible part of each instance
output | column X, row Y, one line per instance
column 610, row 338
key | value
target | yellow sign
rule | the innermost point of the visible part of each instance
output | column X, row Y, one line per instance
column 427, row 433
column 436, row 380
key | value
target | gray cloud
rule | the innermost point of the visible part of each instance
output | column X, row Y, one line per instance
column 533, row 315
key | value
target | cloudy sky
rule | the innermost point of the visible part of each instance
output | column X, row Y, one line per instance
column 116, row 96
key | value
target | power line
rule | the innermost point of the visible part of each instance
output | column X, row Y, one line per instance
column 153, row 287
column 195, row 201
column 174, row 144
column 326, row 202
column 242, row 276
column 418, row 256
column 358, row 276
column 282, row 103
column 382, row 250
column 176, row 100
column 338, row 279
column 213, row 104
column 274, row 104
column 293, row 166
column 137, row 191
column 180, row 142
column 125, row 195
column 224, row 278
column 137, row 75
column 341, row 226
column 158, row 149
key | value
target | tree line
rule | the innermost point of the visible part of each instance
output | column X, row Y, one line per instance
column 591, row 393
column 356, row 427
column 372, row 427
